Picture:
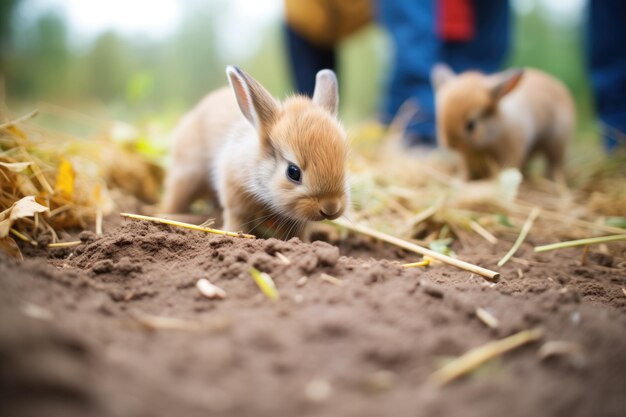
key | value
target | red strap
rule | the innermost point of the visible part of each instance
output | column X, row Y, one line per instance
column 455, row 20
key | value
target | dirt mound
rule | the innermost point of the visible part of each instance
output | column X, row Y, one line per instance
column 120, row 329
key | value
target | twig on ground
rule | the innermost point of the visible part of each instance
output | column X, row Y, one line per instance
column 424, row 214
column 522, row 236
column 564, row 218
column 485, row 273
column 425, row 262
column 331, row 279
column 580, row 242
column 23, row 237
column 483, row 232
column 477, row 356
column 186, row 225
column 64, row 244
column 487, row 318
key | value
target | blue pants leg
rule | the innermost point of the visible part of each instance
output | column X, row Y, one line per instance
column 412, row 27
column 306, row 59
column 606, row 54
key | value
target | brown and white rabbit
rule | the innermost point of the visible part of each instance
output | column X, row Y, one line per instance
column 501, row 120
column 272, row 166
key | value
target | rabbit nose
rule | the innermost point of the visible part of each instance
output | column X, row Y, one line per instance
column 330, row 208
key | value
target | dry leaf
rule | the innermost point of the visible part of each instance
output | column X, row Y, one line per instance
column 8, row 246
column 15, row 166
column 26, row 207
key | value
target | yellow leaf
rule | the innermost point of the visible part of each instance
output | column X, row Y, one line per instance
column 65, row 179
column 265, row 283
column 97, row 194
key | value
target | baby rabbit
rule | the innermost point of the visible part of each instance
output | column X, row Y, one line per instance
column 272, row 166
column 499, row 121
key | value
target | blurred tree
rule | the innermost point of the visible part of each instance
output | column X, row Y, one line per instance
column 269, row 64
column 108, row 67
column 138, row 78
column 7, row 7
column 41, row 67
column 189, row 63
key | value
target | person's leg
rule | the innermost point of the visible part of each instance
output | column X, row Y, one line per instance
column 418, row 46
column 489, row 46
column 606, row 54
column 411, row 25
column 306, row 59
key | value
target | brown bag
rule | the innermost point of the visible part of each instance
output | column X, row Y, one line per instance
column 326, row 22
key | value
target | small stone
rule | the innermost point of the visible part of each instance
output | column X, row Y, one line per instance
column 318, row 390
column 210, row 290
column 36, row 312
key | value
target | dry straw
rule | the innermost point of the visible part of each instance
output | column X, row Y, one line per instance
column 486, row 317
column 425, row 262
column 186, row 225
column 331, row 279
column 522, row 236
column 484, row 272
column 64, row 244
column 58, row 172
column 580, row 242
column 478, row 356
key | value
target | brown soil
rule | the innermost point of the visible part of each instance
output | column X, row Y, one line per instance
column 74, row 337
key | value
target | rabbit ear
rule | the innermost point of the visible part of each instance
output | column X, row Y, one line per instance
column 326, row 92
column 505, row 82
column 440, row 74
column 256, row 104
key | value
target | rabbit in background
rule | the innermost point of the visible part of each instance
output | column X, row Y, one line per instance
column 272, row 166
column 502, row 120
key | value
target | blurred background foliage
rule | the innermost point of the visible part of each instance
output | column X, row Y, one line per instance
column 140, row 77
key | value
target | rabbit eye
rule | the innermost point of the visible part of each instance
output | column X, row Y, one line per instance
column 470, row 126
column 294, row 173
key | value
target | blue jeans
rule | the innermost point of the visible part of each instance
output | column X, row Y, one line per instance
column 412, row 26
column 606, row 55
